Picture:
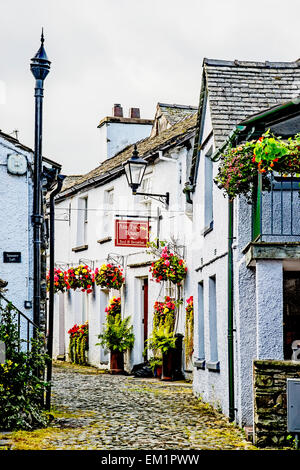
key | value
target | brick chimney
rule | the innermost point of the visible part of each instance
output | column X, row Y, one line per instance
column 134, row 113
column 117, row 110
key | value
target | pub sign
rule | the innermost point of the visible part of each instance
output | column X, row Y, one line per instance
column 133, row 233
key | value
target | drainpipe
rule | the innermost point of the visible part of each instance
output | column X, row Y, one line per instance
column 230, row 314
column 60, row 179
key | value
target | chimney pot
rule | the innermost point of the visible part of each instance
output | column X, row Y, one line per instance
column 117, row 110
column 134, row 113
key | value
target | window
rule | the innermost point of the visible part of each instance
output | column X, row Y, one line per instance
column 208, row 192
column 85, row 219
column 213, row 363
column 82, row 221
column 108, row 212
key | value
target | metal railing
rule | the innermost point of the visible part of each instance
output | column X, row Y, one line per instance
column 26, row 327
column 276, row 209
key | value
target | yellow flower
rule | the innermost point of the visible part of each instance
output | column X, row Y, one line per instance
column 166, row 310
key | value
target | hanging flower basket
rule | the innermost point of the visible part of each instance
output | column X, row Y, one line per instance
column 239, row 166
column 114, row 307
column 80, row 277
column 59, row 281
column 189, row 329
column 164, row 313
column 169, row 267
column 109, row 276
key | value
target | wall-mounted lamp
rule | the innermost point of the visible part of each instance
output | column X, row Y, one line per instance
column 135, row 169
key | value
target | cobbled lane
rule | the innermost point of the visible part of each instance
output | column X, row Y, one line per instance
column 95, row 410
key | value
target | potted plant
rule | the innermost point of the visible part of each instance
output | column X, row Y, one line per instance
column 117, row 337
column 156, row 366
column 164, row 340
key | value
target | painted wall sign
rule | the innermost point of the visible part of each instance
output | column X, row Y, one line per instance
column 11, row 257
column 131, row 233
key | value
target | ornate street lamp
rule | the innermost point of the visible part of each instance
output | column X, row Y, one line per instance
column 40, row 67
column 134, row 170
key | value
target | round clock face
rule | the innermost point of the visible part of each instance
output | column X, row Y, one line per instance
column 16, row 164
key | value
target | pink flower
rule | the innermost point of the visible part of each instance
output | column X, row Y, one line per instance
column 167, row 262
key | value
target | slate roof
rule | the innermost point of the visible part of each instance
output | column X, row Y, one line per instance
column 238, row 89
column 176, row 112
column 167, row 115
column 111, row 167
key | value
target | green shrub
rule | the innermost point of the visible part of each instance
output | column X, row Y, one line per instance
column 21, row 383
column 118, row 334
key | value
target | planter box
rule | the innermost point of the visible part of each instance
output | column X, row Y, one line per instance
column 116, row 362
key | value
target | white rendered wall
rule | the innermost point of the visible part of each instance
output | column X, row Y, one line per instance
column 15, row 228
column 166, row 176
column 115, row 136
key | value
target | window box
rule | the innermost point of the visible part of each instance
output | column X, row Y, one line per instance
column 213, row 366
column 199, row 363
column 80, row 248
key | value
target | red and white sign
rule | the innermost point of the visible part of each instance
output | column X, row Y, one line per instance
column 131, row 233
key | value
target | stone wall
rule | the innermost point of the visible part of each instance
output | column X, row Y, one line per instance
column 270, row 401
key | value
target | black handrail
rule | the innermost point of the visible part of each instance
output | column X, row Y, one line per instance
column 19, row 316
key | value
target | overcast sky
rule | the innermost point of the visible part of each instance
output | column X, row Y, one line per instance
column 133, row 52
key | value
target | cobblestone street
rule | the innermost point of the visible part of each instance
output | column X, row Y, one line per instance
column 95, row 410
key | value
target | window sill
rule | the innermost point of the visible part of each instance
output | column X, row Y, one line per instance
column 199, row 363
column 213, row 366
column 208, row 228
column 104, row 240
column 80, row 248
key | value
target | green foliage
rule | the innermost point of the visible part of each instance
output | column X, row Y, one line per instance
column 189, row 329
column 118, row 334
column 78, row 343
column 155, row 362
column 240, row 166
column 268, row 148
column 21, row 385
column 162, row 339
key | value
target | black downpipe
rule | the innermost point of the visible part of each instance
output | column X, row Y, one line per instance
column 230, row 314
column 60, row 179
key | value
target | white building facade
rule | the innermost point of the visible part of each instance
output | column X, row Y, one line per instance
column 238, row 300
column 86, row 211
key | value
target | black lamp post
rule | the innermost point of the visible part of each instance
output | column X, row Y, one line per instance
column 40, row 66
column 135, row 169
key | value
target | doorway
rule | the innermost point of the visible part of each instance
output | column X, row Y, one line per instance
column 291, row 310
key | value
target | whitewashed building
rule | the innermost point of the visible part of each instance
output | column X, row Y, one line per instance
column 16, row 232
column 86, row 210
column 239, row 295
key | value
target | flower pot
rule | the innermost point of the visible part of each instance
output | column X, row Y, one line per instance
column 158, row 372
column 116, row 362
column 167, row 365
